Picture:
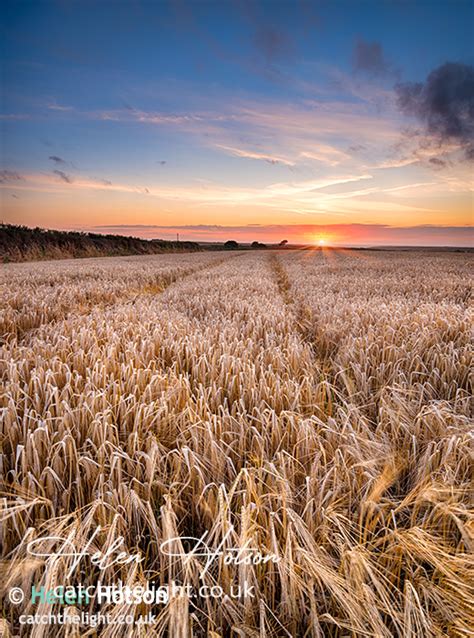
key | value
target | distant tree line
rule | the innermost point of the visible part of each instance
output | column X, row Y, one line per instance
column 233, row 245
column 20, row 243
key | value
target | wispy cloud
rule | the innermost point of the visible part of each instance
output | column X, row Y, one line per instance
column 63, row 176
column 15, row 116
column 287, row 133
column 326, row 154
column 275, row 45
column 334, row 196
column 57, row 160
column 418, row 148
column 370, row 58
column 60, row 107
column 9, row 176
column 285, row 195
column 271, row 159
column 50, row 183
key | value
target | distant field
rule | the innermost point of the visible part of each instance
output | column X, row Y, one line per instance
column 315, row 405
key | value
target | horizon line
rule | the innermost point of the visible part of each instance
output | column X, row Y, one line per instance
column 320, row 244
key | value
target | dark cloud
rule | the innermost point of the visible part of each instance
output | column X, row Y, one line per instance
column 444, row 104
column 128, row 106
column 9, row 176
column 99, row 180
column 57, row 160
column 274, row 45
column 66, row 178
column 357, row 148
column 438, row 163
column 369, row 58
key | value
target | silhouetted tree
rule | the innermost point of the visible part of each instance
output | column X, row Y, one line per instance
column 231, row 244
column 283, row 242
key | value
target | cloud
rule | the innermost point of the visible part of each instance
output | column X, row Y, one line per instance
column 9, row 176
column 57, row 160
column 277, row 194
column 150, row 118
column 443, row 104
column 396, row 163
column 273, row 44
column 279, row 130
column 326, row 154
column 60, row 107
column 128, row 106
column 271, row 159
column 334, row 196
column 437, row 163
column 416, row 148
column 356, row 148
column 15, row 116
column 369, row 58
column 66, row 178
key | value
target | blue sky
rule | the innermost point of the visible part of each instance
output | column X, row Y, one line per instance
column 142, row 114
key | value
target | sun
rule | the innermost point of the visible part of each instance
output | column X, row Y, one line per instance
column 321, row 241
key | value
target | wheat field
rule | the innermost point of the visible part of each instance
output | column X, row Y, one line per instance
column 314, row 404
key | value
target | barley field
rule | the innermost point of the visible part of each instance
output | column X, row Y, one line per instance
column 313, row 404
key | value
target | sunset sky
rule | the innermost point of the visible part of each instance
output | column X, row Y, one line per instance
column 350, row 122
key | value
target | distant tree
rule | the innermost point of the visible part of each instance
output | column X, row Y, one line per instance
column 283, row 242
column 257, row 244
column 231, row 244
